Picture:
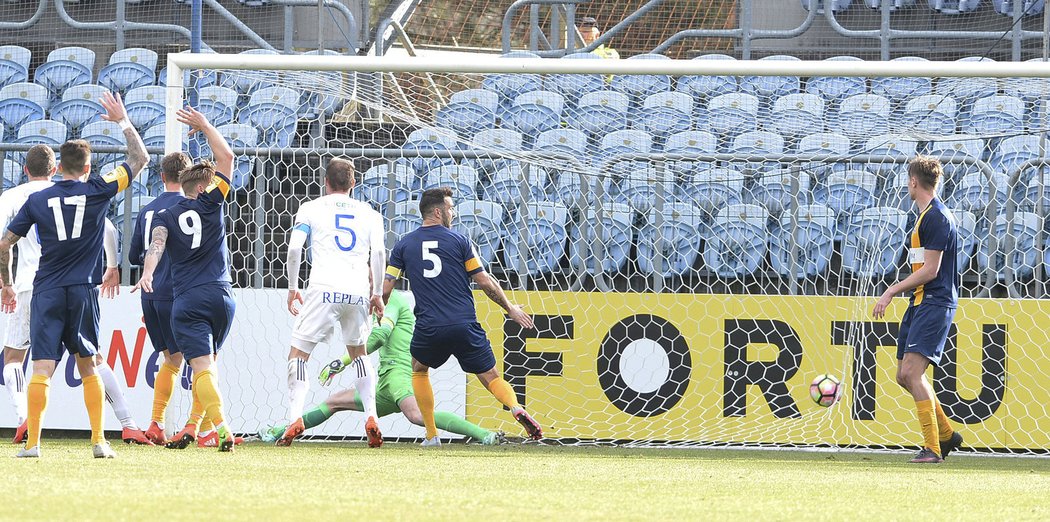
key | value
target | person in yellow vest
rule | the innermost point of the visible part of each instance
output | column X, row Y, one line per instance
column 590, row 32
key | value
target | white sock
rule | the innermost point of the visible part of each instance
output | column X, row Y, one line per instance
column 297, row 388
column 365, row 384
column 15, row 381
column 115, row 396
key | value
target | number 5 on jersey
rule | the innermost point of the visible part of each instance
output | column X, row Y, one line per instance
column 428, row 255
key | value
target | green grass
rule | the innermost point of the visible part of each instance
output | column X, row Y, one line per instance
column 322, row 481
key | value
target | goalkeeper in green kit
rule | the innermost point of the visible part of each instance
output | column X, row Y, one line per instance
column 394, row 390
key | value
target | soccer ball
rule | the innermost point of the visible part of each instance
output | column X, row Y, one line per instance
column 825, row 390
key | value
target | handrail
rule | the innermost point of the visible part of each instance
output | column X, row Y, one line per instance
column 508, row 16
column 239, row 25
column 399, row 32
column 740, row 32
column 40, row 8
column 118, row 27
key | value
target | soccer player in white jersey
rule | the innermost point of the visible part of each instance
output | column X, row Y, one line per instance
column 346, row 238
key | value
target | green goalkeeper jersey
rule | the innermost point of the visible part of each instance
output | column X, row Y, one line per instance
column 392, row 337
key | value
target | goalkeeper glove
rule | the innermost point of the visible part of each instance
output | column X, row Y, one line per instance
column 332, row 369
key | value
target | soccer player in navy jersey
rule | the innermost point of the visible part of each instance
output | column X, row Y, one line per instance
column 69, row 218
column 932, row 251
column 440, row 263
column 192, row 234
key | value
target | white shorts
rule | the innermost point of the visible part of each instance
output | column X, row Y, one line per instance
column 322, row 309
column 18, row 322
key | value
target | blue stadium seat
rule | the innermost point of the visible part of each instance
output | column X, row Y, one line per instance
column 482, row 223
column 933, row 114
column 21, row 103
column 1032, row 91
column 1036, row 193
column 846, row 193
column 952, row 151
column 314, row 103
column 836, row 89
column 65, row 67
column 768, row 88
column 861, row 116
column 890, row 146
column 145, row 106
column 644, row 187
column 13, row 174
column 811, row 232
column 758, row 143
column 966, row 229
column 874, row 242
column 711, row 190
column 1025, row 252
column 639, row 86
column 128, row 69
column 154, row 137
column 899, row 90
column 48, row 132
column 274, row 111
column 666, row 113
column 14, row 64
column 495, row 140
column 104, row 133
column 469, row 112
column 837, row 6
column 564, row 172
column 954, row 7
column 973, row 193
column 690, row 143
column 993, row 115
column 377, row 190
column 572, row 86
column 797, row 115
column 537, row 111
column 895, row 194
column 600, row 112
column 247, row 82
column 731, row 114
column 670, row 248
column 429, row 139
column 828, row 143
column 461, row 179
column 536, row 240
column 967, row 90
column 406, row 218
column 240, row 136
column 219, row 104
column 1027, row 7
column 510, row 86
column 602, row 243
column 737, row 245
column 773, row 191
column 1015, row 151
column 703, row 88
column 80, row 105
column 620, row 143
column 894, row 4
column 506, row 184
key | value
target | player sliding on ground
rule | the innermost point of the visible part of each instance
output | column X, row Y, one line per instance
column 924, row 327
column 440, row 263
column 394, row 392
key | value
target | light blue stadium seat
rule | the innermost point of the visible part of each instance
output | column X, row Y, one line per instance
column 967, row 90
column 247, row 82
column 104, row 133
column 836, row 89
column 846, row 193
column 128, row 69
column 973, row 193
column 933, row 114
column 510, row 86
column 377, row 190
column 1013, row 152
column 895, row 194
column 219, row 104
column 505, row 187
column 644, row 187
column 966, row 230
column 48, row 132
column 1025, row 252
column 461, row 179
column 690, row 143
column 429, row 139
column 774, row 191
column 274, row 111
column 154, row 137
column 899, row 90
column 495, row 140
column 21, row 103
column 14, row 64
column 731, row 114
column 314, row 103
column 600, row 112
column 625, row 142
column 811, row 232
column 13, row 174
column 469, row 112
column 1027, row 7
column 145, row 106
column 540, row 229
column 703, row 88
column 768, row 88
column 1036, row 193
column 890, row 146
column 602, row 243
column 797, row 115
column 758, row 143
column 564, row 171
column 837, row 6
column 1033, row 92
column 242, row 136
column 874, row 242
column 482, row 223
column 639, row 86
column 952, row 151
column 537, row 111
column 953, row 7
column 738, row 241
column 828, row 143
column 666, row 113
column 993, row 115
column 80, row 105
column 406, row 218
column 861, row 116
column 573, row 86
column 711, row 190
column 894, row 4
column 670, row 248
column 65, row 67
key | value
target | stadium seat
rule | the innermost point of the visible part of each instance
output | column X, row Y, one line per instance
column 600, row 112
column 65, row 67
column 774, row 192
column 104, row 133
column 482, row 223
column 219, row 104
column 565, row 171
column 837, row 6
column 13, row 174
column 639, row 86
column 994, row 115
column 666, row 113
column 861, row 116
column 711, row 190
column 1027, row 7
column 1015, row 151
column 668, row 244
column 536, row 239
column 828, row 143
column 1036, row 193
column 703, row 88
column 973, row 193
column 796, row 115
column 14, row 64
column 836, row 89
column 247, row 82
column 377, row 190
column 240, row 136
column 933, row 114
column 874, row 242
column 966, row 229
column 896, row 195
column 899, row 90
column 128, row 69
column 846, row 193
column 954, row 7
column 274, row 112
column 535, row 112
column 510, row 86
column 625, row 142
column 644, row 187
column 890, row 146
column 1022, row 256
column 506, row 184
column 80, row 105
column 731, row 114
column 406, row 218
column 953, row 151
column 462, row 179
column 894, row 4
column 602, row 242
column 758, row 143
column 21, row 103
column 573, row 86
column 429, row 139
column 737, row 245
column 145, row 106
column 1033, row 92
column 469, row 112
column 811, row 233
column 768, row 88
column 690, row 143
column 967, row 90
column 495, row 141
column 48, row 132
column 314, row 104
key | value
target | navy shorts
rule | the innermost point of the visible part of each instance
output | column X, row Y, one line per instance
column 433, row 346
column 201, row 318
column 924, row 330
column 66, row 316
column 156, row 313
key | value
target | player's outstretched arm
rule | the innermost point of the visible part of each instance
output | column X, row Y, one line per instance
column 153, row 255
column 115, row 112
column 490, row 286
column 294, row 261
column 928, row 272
column 221, row 152
column 377, row 262
column 7, row 295
column 110, row 287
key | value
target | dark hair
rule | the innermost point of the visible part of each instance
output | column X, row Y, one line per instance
column 75, row 155
column 432, row 198
column 40, row 161
column 172, row 165
column 339, row 174
column 201, row 172
column 927, row 170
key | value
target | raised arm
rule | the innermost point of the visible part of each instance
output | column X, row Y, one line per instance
column 137, row 157
column 490, row 286
column 7, row 295
column 153, row 255
column 221, row 152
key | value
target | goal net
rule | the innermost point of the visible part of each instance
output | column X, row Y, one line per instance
column 696, row 240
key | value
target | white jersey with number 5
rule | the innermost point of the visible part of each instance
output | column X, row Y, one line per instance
column 342, row 232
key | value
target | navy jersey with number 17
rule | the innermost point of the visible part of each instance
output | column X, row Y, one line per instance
column 197, row 237
column 439, row 263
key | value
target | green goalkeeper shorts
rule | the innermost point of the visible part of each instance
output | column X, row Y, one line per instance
column 390, row 391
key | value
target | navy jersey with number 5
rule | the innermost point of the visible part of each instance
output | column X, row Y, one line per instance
column 196, row 245
column 69, row 217
column 439, row 263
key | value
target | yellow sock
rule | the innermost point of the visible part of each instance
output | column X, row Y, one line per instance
column 944, row 426
column 196, row 412
column 36, row 397
column 424, row 393
column 206, row 424
column 501, row 390
column 928, row 422
column 162, row 389
column 208, row 391
column 94, row 398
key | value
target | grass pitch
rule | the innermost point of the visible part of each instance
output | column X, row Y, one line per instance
column 348, row 481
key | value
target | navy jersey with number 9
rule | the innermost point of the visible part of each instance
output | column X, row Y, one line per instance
column 197, row 238
column 439, row 263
